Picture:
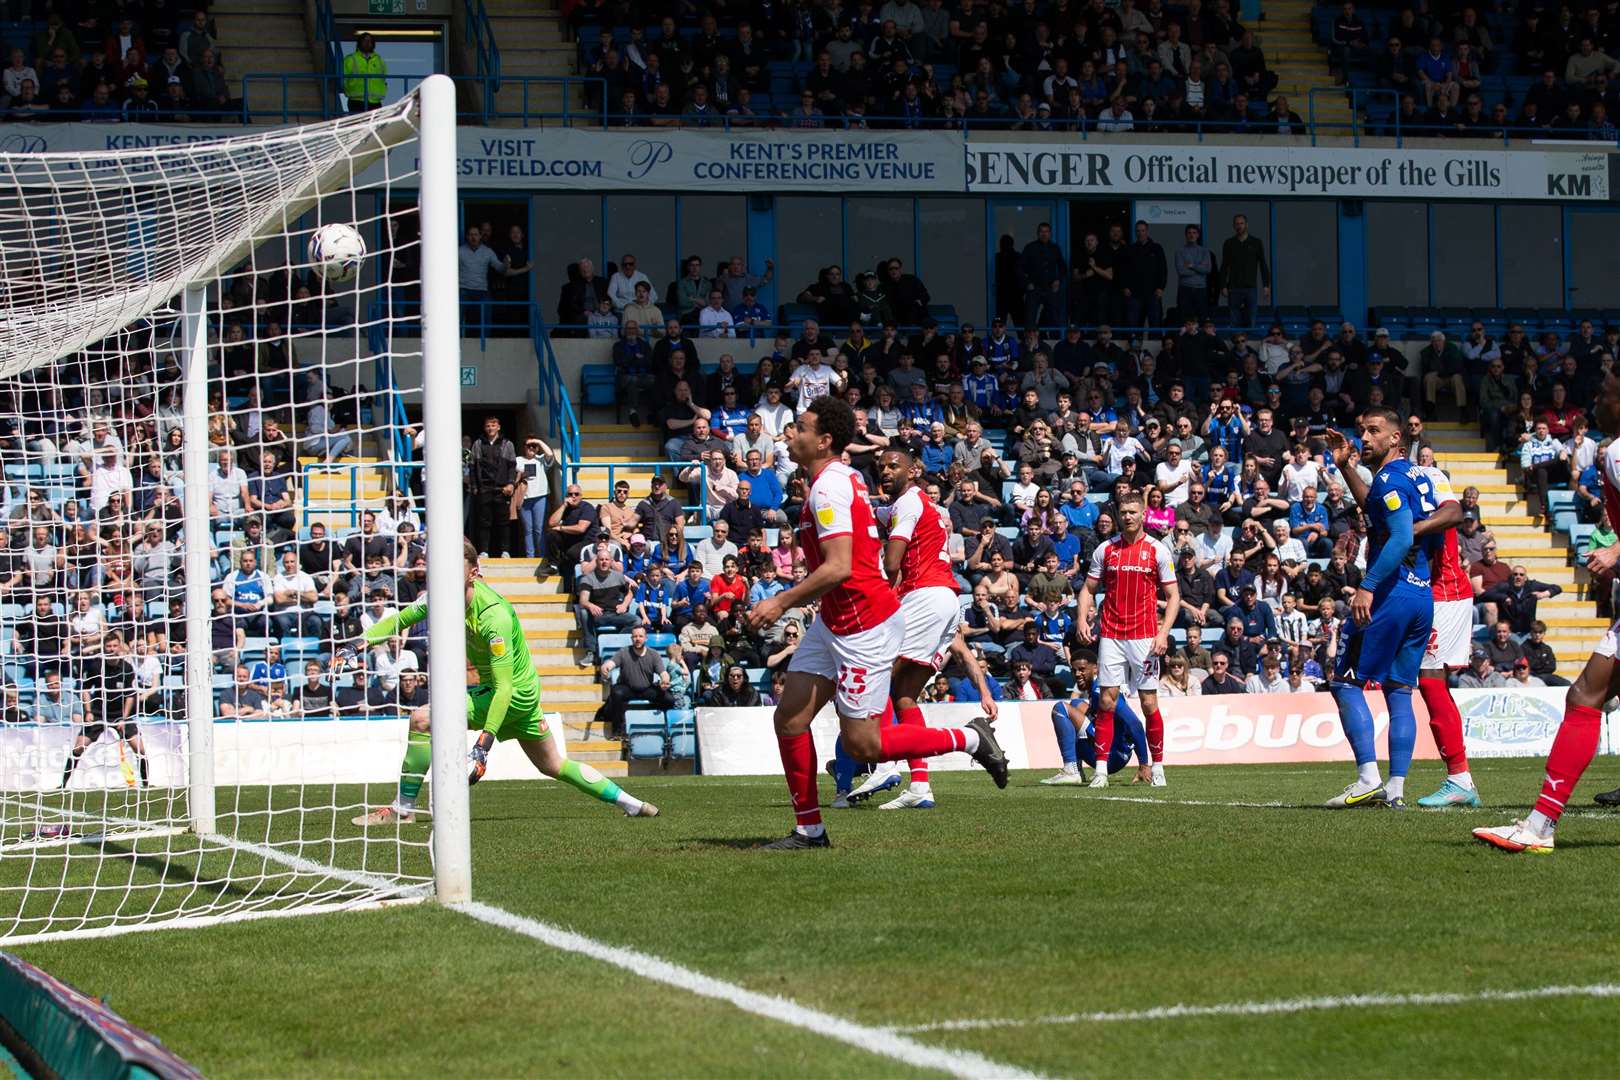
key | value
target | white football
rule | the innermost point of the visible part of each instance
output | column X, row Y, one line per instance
column 336, row 252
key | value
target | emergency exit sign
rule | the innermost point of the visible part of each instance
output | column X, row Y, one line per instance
column 385, row 7
column 469, row 373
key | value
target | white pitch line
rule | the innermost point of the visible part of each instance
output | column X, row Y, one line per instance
column 1448, row 811
column 1274, row 1008
column 886, row 1042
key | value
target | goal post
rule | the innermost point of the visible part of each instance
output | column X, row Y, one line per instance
column 191, row 389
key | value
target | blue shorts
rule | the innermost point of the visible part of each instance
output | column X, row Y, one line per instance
column 1389, row 649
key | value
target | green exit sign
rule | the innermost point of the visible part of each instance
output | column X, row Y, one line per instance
column 469, row 373
column 385, row 7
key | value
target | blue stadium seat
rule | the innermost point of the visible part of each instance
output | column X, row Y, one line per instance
column 682, row 733
column 660, row 641
column 597, row 385
column 648, row 733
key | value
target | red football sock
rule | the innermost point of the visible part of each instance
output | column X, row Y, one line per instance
column 1103, row 736
column 918, row 741
column 1572, row 751
column 918, row 766
column 799, row 763
column 1446, row 724
column 1155, row 736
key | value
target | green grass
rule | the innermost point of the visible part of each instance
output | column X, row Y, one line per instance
column 1020, row 904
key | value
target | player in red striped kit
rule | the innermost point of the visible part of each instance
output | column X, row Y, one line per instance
column 1450, row 637
column 848, row 653
column 1131, row 569
column 917, row 558
column 1577, row 740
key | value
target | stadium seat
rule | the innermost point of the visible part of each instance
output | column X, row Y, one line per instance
column 682, row 733
column 648, row 733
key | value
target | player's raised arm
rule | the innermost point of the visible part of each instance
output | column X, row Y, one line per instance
column 1339, row 447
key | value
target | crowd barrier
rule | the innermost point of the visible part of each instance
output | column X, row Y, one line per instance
column 1218, row 730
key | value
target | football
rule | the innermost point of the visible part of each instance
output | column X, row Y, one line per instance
column 336, row 252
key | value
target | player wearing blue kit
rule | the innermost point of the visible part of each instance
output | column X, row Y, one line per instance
column 1390, row 616
column 1076, row 736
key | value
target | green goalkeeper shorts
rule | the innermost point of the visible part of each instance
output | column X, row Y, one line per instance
column 523, row 718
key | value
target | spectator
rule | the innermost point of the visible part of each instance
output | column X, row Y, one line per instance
column 1245, row 277
column 574, row 527
column 293, row 596
column 534, row 474
column 1221, row 680
column 365, row 75
column 642, row 676
column 492, row 474
column 1516, row 601
column 1544, row 461
column 1480, row 673
column 475, row 262
column 1270, row 678
column 604, row 600
column 1443, row 365
column 1543, row 662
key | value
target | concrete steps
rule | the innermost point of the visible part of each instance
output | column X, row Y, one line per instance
column 268, row 37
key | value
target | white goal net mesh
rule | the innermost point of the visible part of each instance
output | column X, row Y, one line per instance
column 314, row 526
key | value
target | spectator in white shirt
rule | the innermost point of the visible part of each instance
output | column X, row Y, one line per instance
column 109, row 475
column 714, row 320
column 718, row 481
column 1212, row 546
column 388, row 660
column 292, row 599
column 712, row 551
column 1300, row 473
column 1174, row 475
column 622, row 285
column 773, row 415
column 1024, row 488
column 1288, row 549
column 227, row 485
column 1121, row 445
column 814, row 379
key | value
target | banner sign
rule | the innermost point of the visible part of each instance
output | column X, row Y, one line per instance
column 920, row 162
column 1272, row 171
column 248, row 752
column 1225, row 729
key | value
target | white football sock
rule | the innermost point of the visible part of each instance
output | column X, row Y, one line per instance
column 1540, row 823
column 812, row 831
column 628, row 803
column 1368, row 773
column 1462, row 779
column 1395, row 787
column 970, row 738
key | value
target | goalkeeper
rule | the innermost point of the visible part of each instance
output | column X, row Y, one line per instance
column 504, row 705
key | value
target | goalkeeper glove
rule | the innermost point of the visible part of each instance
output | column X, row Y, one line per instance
column 343, row 657
column 479, row 756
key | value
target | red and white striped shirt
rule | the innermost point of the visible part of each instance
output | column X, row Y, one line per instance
column 838, row 506
column 1130, row 576
column 1447, row 576
column 920, row 522
column 1609, row 468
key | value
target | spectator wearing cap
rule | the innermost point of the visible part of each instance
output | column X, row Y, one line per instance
column 749, row 313
column 1197, row 593
column 1259, row 623
column 1480, row 673
column 1522, row 675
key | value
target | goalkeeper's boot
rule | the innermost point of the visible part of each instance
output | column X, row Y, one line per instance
column 1451, row 793
column 647, row 809
column 910, row 799
column 1158, row 776
column 384, row 815
column 1070, row 775
column 884, row 777
column 989, row 754
column 797, row 841
column 1358, row 794
column 1099, row 776
column 1607, row 798
column 1516, row 837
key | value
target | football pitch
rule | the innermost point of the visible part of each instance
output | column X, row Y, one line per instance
column 1219, row 927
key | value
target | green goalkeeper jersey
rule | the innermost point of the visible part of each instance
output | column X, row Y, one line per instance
column 495, row 645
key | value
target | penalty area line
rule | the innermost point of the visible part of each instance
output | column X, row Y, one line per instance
column 1284, row 1007
column 887, row 1042
column 1446, row 811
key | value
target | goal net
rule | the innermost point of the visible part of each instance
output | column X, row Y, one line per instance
column 212, row 438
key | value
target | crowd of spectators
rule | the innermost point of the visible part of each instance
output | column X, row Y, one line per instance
column 123, row 63
column 1475, row 70
column 92, row 560
column 1058, row 66
column 1028, row 442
